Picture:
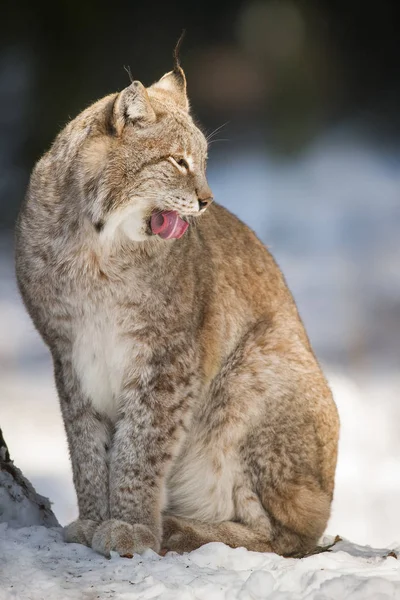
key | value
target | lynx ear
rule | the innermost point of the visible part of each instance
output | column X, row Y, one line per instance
column 133, row 104
column 174, row 83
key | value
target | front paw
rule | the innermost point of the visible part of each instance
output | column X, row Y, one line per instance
column 124, row 538
column 80, row 531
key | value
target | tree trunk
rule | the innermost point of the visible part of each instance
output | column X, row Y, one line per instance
column 20, row 504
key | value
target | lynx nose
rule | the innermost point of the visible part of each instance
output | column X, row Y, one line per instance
column 204, row 196
column 204, row 203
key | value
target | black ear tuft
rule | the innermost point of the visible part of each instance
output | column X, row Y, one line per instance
column 174, row 82
column 177, row 70
column 128, row 70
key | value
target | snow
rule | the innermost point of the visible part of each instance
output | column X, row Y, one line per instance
column 36, row 564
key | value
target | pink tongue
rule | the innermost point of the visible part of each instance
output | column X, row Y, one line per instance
column 168, row 224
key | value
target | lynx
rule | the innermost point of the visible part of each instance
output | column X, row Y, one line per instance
column 194, row 407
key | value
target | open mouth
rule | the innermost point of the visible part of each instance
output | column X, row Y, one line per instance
column 167, row 224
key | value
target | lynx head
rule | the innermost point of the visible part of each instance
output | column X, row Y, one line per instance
column 142, row 165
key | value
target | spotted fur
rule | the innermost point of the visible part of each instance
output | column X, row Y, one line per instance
column 194, row 407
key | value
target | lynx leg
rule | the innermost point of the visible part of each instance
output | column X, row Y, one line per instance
column 294, row 531
column 185, row 535
column 259, row 469
column 147, row 436
column 89, row 436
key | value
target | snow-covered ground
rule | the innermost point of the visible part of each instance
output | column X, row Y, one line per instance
column 37, row 565
column 332, row 218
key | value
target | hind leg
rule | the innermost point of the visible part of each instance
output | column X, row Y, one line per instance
column 185, row 535
column 270, row 424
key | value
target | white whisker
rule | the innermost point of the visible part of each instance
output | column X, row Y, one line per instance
column 209, row 136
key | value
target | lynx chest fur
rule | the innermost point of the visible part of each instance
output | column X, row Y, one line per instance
column 119, row 330
column 101, row 355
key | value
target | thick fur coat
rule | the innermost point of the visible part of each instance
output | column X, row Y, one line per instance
column 194, row 407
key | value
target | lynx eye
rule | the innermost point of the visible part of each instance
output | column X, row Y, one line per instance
column 182, row 163
column 179, row 162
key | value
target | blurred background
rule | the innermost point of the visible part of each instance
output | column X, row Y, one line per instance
column 303, row 98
